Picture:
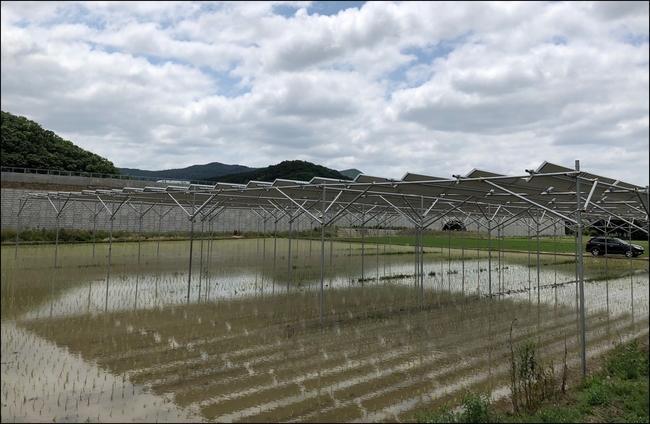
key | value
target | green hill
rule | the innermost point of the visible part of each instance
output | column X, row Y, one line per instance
column 290, row 170
column 26, row 145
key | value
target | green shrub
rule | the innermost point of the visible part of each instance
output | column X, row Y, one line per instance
column 476, row 408
column 627, row 362
column 597, row 395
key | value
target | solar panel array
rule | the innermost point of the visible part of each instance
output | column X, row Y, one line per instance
column 550, row 189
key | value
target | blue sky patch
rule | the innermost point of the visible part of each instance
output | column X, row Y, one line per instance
column 285, row 10
column 329, row 8
column 23, row 23
column 635, row 40
column 559, row 40
column 76, row 14
column 324, row 8
column 424, row 56
column 226, row 85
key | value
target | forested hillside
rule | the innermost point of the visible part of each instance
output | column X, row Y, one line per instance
column 290, row 170
column 26, row 145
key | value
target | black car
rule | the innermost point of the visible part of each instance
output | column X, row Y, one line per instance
column 601, row 245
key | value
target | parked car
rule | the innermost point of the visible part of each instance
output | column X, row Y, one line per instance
column 601, row 245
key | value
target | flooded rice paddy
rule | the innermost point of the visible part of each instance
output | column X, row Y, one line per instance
column 82, row 342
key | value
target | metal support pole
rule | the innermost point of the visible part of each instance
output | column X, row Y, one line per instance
column 489, row 223
column 159, row 233
column 499, row 266
column 647, row 221
column 363, row 239
column 289, row 254
column 311, row 233
column 538, row 264
column 415, row 255
column 275, row 249
column 555, row 255
column 201, row 260
column 581, row 284
column 298, row 234
column 258, row 235
column 421, row 251
column 139, row 234
column 322, row 259
column 377, row 247
column 94, row 227
column 56, row 243
column 110, row 250
column 449, row 256
column 332, row 244
column 189, row 272
column 631, row 277
column 530, row 292
column 478, row 258
column 17, row 231
column 263, row 255
column 462, row 258
column 209, row 259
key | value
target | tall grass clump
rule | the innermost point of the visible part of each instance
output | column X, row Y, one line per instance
column 531, row 382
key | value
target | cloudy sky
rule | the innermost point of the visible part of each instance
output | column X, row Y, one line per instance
column 387, row 88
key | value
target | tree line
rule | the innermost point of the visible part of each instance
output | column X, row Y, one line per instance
column 25, row 144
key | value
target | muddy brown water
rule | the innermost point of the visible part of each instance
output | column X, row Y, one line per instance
column 246, row 348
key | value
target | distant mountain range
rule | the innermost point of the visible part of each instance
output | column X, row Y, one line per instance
column 194, row 172
column 297, row 170
column 240, row 174
column 351, row 173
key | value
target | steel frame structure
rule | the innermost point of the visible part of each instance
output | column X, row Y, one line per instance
column 551, row 191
